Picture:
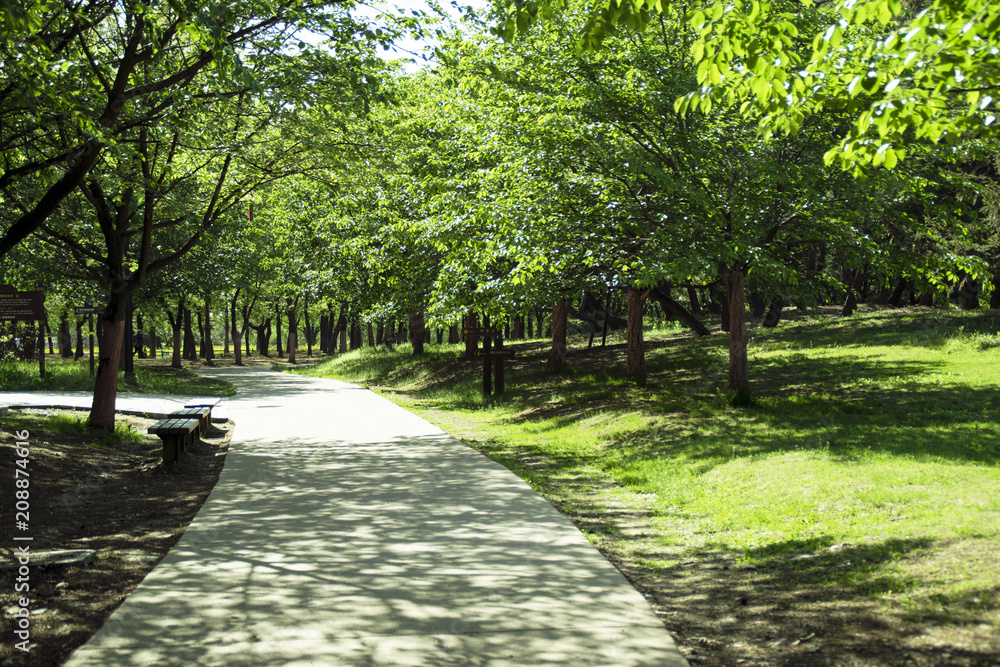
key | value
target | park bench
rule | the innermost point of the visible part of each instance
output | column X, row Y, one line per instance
column 176, row 434
column 202, row 414
column 204, row 403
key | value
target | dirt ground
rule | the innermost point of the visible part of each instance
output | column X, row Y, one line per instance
column 118, row 500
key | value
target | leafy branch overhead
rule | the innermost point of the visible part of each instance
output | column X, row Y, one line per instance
column 926, row 74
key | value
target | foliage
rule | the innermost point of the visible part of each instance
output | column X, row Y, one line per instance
column 926, row 73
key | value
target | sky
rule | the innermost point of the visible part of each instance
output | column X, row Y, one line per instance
column 409, row 48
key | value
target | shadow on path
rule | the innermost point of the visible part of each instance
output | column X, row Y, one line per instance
column 345, row 530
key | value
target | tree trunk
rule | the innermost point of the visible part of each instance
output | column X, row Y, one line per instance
column 417, row 332
column 693, row 299
column 79, row 340
column 293, row 329
column 310, row 332
column 176, row 324
column 487, row 366
column 153, row 343
column 897, row 294
column 635, row 354
column 263, row 337
column 734, row 280
column 324, row 336
column 209, row 345
column 773, row 314
column 854, row 282
column 560, row 316
column 225, row 331
column 277, row 340
column 662, row 295
column 719, row 292
column 355, row 333
column 201, row 335
column 371, row 335
column 65, row 340
column 471, row 337
column 236, row 333
column 102, row 411
column 758, row 306
column 128, row 341
column 968, row 294
column 140, row 348
column 189, row 351
column 340, row 328
column 385, row 334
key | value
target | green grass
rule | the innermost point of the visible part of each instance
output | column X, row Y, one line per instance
column 73, row 425
column 879, row 431
column 69, row 375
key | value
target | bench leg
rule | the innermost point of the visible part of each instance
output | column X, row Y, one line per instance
column 170, row 446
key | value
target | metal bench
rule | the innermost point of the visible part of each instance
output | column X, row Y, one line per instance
column 176, row 434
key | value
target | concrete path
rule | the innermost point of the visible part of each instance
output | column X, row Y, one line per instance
column 155, row 406
column 347, row 531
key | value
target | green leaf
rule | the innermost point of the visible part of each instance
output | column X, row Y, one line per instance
column 698, row 51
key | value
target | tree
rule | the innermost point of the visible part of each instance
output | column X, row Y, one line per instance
column 158, row 196
column 96, row 71
column 912, row 73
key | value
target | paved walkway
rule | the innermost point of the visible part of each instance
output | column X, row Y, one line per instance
column 347, row 531
column 155, row 406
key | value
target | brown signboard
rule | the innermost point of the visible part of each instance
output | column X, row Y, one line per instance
column 485, row 332
column 494, row 353
column 15, row 305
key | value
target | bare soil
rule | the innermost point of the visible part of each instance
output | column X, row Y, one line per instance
column 120, row 500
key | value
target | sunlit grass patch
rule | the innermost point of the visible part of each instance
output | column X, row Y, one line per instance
column 74, row 375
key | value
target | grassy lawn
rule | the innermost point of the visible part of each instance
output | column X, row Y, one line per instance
column 69, row 375
column 867, row 469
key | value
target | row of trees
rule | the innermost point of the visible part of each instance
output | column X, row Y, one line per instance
column 165, row 156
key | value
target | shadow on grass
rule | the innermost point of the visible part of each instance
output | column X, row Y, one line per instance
column 833, row 596
column 913, row 327
column 842, row 406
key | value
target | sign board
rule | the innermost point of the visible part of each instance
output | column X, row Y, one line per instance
column 495, row 353
column 15, row 305
column 89, row 310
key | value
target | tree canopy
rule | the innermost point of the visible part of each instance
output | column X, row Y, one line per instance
column 915, row 71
